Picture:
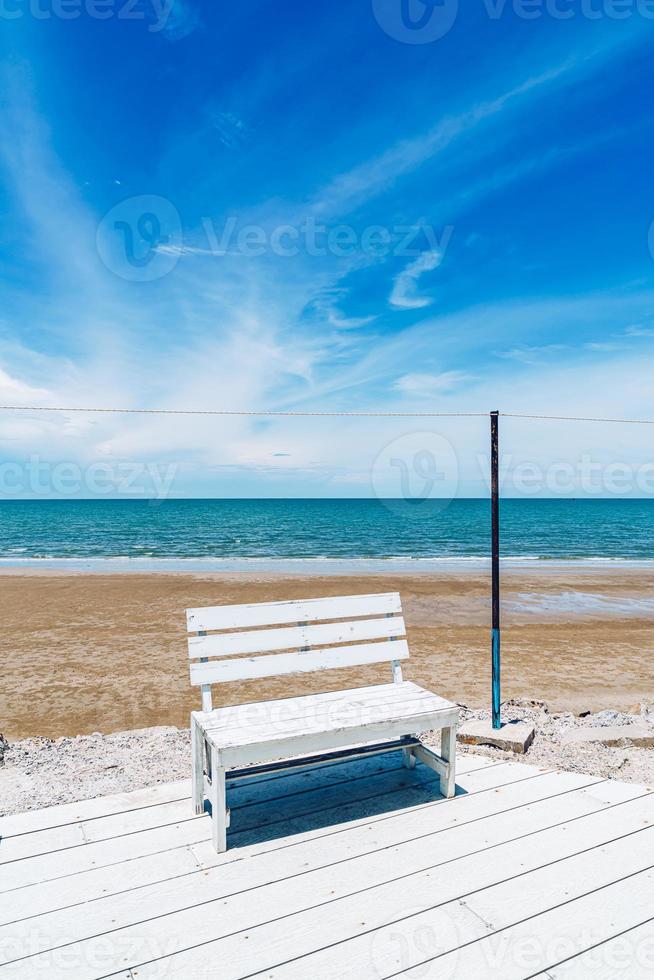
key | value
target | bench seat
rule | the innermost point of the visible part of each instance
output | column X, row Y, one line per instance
column 267, row 730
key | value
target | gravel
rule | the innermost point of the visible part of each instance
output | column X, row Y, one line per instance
column 40, row 772
column 628, row 763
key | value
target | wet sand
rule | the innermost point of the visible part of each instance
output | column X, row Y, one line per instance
column 84, row 653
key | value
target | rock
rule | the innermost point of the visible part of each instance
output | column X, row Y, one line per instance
column 647, row 713
column 515, row 736
column 604, row 718
column 636, row 735
column 4, row 745
column 609, row 719
column 533, row 704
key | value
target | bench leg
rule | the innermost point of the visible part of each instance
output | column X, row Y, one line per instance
column 408, row 758
column 218, row 804
column 197, row 756
column 448, row 754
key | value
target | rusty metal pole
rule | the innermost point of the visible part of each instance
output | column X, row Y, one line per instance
column 495, row 568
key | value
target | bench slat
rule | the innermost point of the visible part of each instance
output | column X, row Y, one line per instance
column 296, row 611
column 294, row 637
column 372, row 698
column 248, row 668
column 320, row 721
column 308, row 702
column 326, row 715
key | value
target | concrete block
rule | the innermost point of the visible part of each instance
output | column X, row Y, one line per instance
column 637, row 735
column 514, row 736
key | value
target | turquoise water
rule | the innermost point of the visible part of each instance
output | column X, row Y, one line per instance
column 275, row 530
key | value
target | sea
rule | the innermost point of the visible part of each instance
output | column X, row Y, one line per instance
column 347, row 535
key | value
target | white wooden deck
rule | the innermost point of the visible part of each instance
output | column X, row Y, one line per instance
column 356, row 870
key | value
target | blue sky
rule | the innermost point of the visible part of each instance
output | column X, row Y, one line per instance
column 283, row 206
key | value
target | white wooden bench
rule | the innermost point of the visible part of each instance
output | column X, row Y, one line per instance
column 233, row 643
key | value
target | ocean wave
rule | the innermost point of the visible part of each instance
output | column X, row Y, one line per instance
column 310, row 565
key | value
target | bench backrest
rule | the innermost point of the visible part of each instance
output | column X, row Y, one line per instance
column 233, row 643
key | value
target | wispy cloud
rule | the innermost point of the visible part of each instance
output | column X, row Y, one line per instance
column 328, row 306
column 376, row 175
column 532, row 353
column 426, row 385
column 176, row 19
column 605, row 346
column 233, row 131
column 14, row 391
column 312, row 332
column 639, row 330
column 403, row 294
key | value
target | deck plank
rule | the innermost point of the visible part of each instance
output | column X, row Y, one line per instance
column 257, row 820
column 102, row 806
column 397, row 847
column 163, row 812
column 629, row 956
column 424, row 792
column 31, row 886
column 360, row 870
column 334, row 938
column 166, row 805
column 529, row 946
column 82, row 811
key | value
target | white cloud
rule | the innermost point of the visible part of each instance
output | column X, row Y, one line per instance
column 639, row 330
column 176, row 19
column 327, row 306
column 231, row 130
column 376, row 175
column 603, row 346
column 403, row 294
column 532, row 353
column 426, row 385
column 237, row 343
column 16, row 392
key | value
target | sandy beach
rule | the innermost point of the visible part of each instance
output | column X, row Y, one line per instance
column 103, row 653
